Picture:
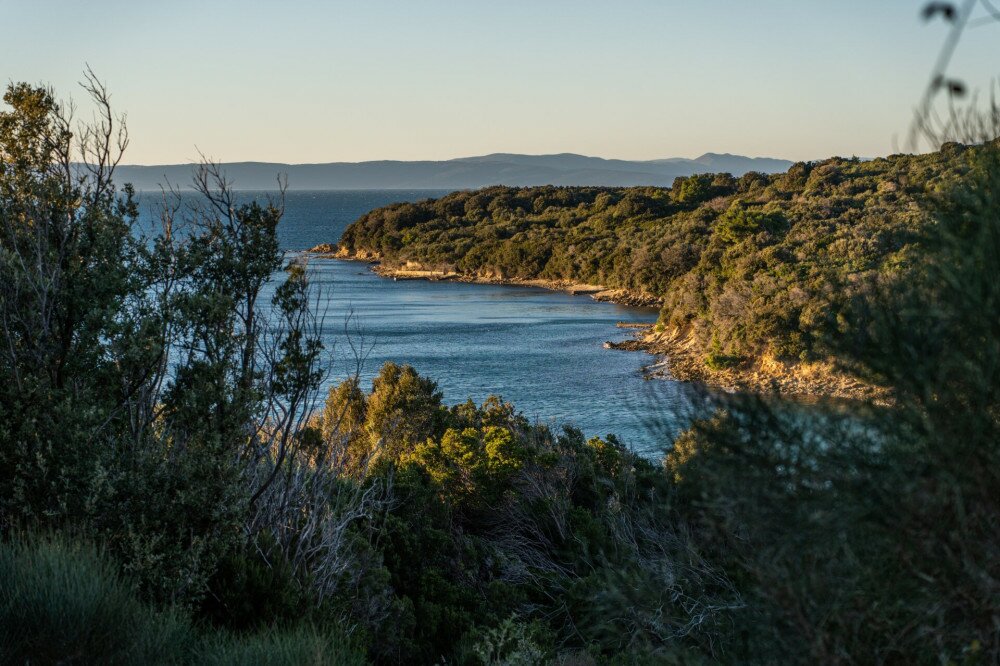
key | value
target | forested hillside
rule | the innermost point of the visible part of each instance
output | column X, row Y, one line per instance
column 750, row 265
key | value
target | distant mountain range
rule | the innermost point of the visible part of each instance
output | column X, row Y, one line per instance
column 461, row 173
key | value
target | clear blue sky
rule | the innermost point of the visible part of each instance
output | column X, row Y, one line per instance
column 300, row 81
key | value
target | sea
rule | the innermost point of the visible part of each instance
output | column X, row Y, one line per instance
column 539, row 349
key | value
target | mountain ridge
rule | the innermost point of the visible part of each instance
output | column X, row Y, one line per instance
column 460, row 173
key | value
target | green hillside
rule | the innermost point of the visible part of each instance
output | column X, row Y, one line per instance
column 748, row 265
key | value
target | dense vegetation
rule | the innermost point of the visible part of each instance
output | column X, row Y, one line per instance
column 172, row 490
column 760, row 263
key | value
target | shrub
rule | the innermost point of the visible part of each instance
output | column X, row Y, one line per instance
column 302, row 646
column 63, row 601
column 719, row 361
column 511, row 643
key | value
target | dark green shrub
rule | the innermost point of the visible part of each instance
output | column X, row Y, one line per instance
column 740, row 222
column 718, row 361
column 303, row 646
column 254, row 588
column 63, row 602
column 693, row 190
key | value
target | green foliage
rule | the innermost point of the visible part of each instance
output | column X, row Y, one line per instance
column 717, row 359
column 302, row 646
column 871, row 534
column 69, row 280
column 496, row 516
column 403, row 409
column 763, row 263
column 137, row 379
column 145, row 407
column 693, row 190
column 64, row 602
column 252, row 590
column 474, row 465
column 511, row 643
column 738, row 223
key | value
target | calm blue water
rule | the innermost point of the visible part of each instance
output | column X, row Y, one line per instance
column 540, row 349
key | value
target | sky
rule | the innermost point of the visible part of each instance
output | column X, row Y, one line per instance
column 298, row 81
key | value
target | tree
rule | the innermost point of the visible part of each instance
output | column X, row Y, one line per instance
column 694, row 189
column 403, row 410
column 146, row 395
column 79, row 338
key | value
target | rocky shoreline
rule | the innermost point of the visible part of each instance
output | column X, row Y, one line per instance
column 680, row 356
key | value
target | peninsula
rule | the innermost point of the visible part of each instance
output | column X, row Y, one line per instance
column 753, row 274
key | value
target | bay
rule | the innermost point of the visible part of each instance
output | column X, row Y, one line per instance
column 541, row 350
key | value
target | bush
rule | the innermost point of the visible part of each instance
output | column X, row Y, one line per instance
column 719, row 361
column 303, row 646
column 871, row 534
column 511, row 643
column 63, row 601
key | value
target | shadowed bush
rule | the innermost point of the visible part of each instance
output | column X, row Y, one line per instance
column 63, row 602
column 299, row 647
column 872, row 536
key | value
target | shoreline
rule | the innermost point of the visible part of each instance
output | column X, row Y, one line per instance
column 682, row 359
column 415, row 271
column 678, row 355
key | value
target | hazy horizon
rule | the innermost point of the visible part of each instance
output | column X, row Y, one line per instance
column 470, row 157
column 311, row 83
column 464, row 173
